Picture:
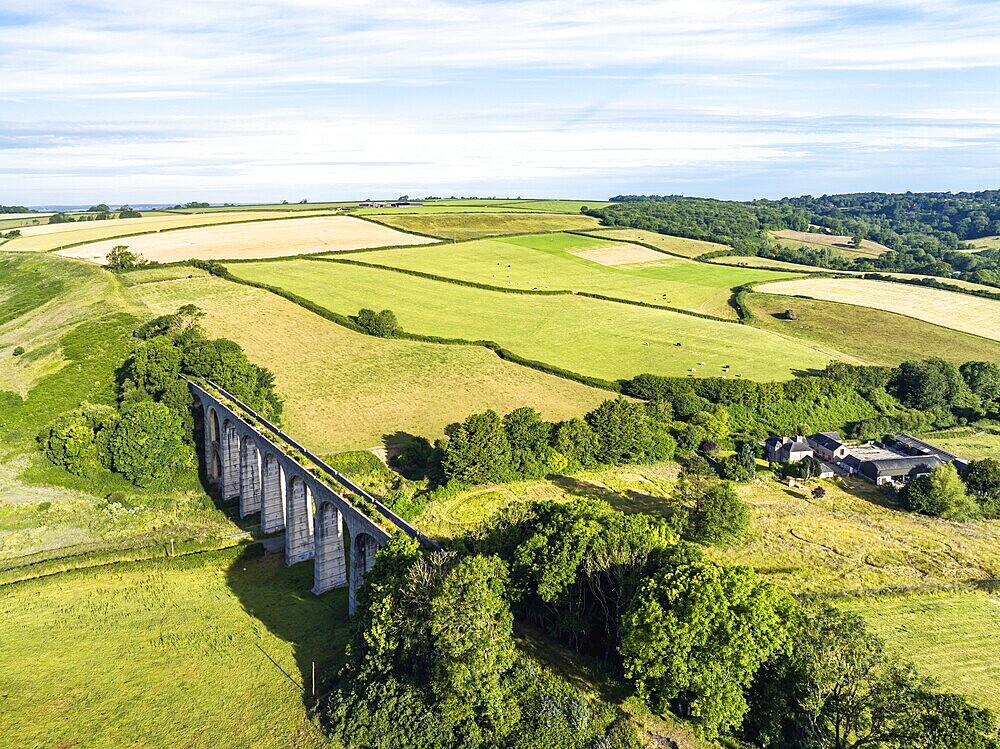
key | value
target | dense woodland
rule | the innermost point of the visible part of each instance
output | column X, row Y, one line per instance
column 925, row 231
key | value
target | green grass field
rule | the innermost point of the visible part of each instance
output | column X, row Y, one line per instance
column 868, row 334
column 211, row 650
column 344, row 390
column 522, row 204
column 549, row 261
column 665, row 242
column 465, row 225
column 960, row 312
column 969, row 442
column 951, row 637
column 752, row 261
column 849, row 542
column 602, row 339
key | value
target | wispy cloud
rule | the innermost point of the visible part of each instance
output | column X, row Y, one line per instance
column 241, row 100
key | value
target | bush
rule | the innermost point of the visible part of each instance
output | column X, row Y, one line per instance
column 719, row 517
column 147, row 443
column 78, row 441
column 382, row 324
column 18, row 350
column 122, row 258
column 941, row 493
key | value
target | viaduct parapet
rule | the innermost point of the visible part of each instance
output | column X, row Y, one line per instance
column 249, row 458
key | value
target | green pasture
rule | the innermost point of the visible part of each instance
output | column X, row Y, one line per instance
column 665, row 242
column 522, row 204
column 951, row 637
column 971, row 442
column 211, row 650
column 547, row 262
column 466, row 225
column 868, row 334
column 603, row 339
column 345, row 390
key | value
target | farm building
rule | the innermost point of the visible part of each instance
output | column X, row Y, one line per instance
column 787, row 449
column 900, row 458
column 828, row 446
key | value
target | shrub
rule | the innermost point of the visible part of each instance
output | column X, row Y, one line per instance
column 78, row 441
column 18, row 350
column 147, row 443
column 382, row 324
column 719, row 517
column 122, row 258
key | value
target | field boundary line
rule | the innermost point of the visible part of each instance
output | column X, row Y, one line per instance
column 496, row 348
column 528, row 292
column 173, row 228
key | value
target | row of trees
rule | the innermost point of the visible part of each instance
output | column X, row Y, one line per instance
column 925, row 231
column 95, row 213
column 150, row 434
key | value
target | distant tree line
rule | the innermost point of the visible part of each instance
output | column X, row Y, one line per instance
column 16, row 209
column 925, row 231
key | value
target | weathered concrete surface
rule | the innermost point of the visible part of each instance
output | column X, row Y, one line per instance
column 253, row 464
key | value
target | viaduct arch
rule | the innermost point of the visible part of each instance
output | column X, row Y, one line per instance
column 249, row 458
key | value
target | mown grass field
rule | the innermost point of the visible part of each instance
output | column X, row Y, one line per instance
column 465, row 225
column 841, row 245
column 344, row 390
column 951, row 310
column 565, row 261
column 869, row 334
column 970, row 442
column 54, row 236
column 521, row 204
column 674, row 245
column 752, row 261
column 603, row 339
column 951, row 637
column 257, row 239
column 211, row 650
column 986, row 243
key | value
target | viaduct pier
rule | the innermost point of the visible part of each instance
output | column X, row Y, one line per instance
column 326, row 517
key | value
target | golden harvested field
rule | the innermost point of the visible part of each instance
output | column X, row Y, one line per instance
column 461, row 226
column 258, row 239
column 794, row 239
column 752, row 261
column 951, row 310
column 621, row 254
column 344, row 390
column 674, row 245
column 986, row 243
column 53, row 236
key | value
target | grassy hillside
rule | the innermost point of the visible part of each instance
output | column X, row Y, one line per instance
column 473, row 225
column 211, row 650
column 565, row 261
column 951, row 637
column 591, row 337
column 970, row 442
column 74, row 322
column 840, row 245
column 965, row 313
column 344, row 390
column 872, row 335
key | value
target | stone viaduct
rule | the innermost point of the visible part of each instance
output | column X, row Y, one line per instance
column 293, row 490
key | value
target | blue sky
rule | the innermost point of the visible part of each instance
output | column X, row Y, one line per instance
column 263, row 101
